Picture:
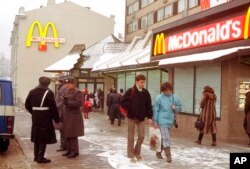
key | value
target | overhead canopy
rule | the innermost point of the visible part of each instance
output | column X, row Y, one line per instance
column 65, row 64
column 201, row 57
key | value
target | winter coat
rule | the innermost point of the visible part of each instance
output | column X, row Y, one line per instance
column 59, row 100
column 247, row 112
column 138, row 103
column 114, row 103
column 208, row 112
column 72, row 116
column 86, row 109
column 42, row 130
column 163, row 112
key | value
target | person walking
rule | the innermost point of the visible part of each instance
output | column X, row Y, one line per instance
column 247, row 115
column 165, row 106
column 87, row 105
column 208, row 114
column 41, row 104
column 72, row 117
column 137, row 101
column 114, row 103
column 59, row 104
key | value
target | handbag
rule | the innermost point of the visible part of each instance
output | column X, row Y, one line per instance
column 199, row 124
column 175, row 118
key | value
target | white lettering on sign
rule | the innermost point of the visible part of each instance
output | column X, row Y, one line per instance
column 228, row 30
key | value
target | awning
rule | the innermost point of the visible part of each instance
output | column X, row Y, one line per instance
column 201, row 57
column 65, row 64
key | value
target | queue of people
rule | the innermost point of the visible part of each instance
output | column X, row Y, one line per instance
column 65, row 108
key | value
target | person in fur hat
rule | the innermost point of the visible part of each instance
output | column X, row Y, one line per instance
column 208, row 114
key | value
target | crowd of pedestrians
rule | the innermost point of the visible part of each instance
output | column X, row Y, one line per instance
column 70, row 106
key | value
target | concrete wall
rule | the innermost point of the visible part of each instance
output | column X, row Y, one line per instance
column 77, row 24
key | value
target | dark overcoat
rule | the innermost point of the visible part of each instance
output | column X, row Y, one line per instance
column 72, row 116
column 42, row 130
column 138, row 103
column 114, row 103
column 247, row 113
column 208, row 112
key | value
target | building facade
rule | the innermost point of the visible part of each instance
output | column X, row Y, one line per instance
column 41, row 37
column 145, row 15
column 209, row 48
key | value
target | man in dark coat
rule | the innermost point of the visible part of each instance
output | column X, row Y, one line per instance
column 114, row 102
column 72, row 117
column 137, row 101
column 41, row 105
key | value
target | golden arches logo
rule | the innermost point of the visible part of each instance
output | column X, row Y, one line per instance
column 246, row 28
column 159, row 46
column 42, row 35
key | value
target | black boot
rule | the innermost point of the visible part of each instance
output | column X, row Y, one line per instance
column 36, row 147
column 158, row 154
column 200, row 138
column 41, row 151
column 214, row 140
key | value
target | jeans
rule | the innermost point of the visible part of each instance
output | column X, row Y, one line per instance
column 165, row 138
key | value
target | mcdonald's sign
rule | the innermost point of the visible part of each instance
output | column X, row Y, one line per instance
column 228, row 30
column 43, row 39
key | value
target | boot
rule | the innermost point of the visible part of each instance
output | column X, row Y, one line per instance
column 199, row 138
column 168, row 154
column 40, row 157
column 158, row 154
column 214, row 140
column 36, row 147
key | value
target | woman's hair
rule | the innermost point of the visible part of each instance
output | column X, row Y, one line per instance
column 140, row 77
column 208, row 89
column 166, row 86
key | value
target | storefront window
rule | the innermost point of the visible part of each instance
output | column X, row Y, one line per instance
column 130, row 80
column 183, row 87
column 121, row 81
column 154, row 83
column 208, row 75
column 164, row 77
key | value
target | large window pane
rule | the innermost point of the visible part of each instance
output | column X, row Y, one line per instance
column 164, row 77
column 208, row 75
column 130, row 80
column 144, row 21
column 183, row 87
column 121, row 81
column 154, row 77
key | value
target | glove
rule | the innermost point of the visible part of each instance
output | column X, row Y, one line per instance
column 65, row 101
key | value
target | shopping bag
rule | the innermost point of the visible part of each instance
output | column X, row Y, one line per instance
column 154, row 139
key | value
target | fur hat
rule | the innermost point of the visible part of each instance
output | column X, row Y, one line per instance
column 69, row 79
column 44, row 81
